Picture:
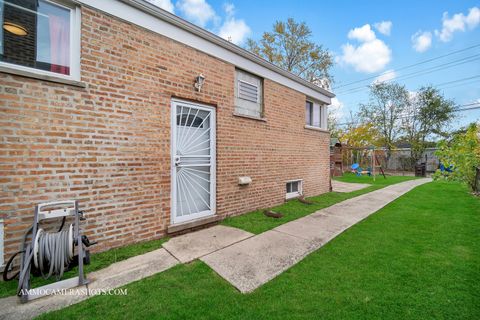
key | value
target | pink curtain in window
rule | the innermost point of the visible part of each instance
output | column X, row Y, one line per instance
column 59, row 44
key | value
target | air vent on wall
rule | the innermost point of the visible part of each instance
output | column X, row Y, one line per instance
column 247, row 91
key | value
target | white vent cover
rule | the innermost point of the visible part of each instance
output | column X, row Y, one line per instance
column 247, row 91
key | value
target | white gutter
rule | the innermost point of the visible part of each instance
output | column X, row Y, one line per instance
column 151, row 17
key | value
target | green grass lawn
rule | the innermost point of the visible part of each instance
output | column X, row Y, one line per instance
column 98, row 261
column 256, row 222
column 417, row 258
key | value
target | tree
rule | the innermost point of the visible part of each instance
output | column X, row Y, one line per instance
column 332, row 126
column 427, row 115
column 289, row 46
column 462, row 155
column 385, row 109
column 360, row 136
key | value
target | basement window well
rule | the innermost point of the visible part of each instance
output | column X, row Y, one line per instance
column 294, row 189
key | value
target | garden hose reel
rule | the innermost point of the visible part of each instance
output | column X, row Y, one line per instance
column 52, row 253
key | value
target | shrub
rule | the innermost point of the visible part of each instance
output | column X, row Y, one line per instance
column 462, row 154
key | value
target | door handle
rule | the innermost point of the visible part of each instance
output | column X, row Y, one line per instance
column 176, row 160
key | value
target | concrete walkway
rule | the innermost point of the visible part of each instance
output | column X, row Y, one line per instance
column 191, row 246
column 182, row 249
column 339, row 186
column 114, row 276
column 251, row 263
column 245, row 260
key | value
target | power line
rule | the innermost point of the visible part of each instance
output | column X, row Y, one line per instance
column 468, row 109
column 461, row 108
column 434, row 85
column 458, row 80
column 414, row 74
column 461, row 84
column 419, row 73
column 470, row 104
column 409, row 66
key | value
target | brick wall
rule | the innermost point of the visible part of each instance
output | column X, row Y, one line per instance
column 108, row 145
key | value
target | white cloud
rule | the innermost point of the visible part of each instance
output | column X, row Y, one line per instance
column 362, row 34
column 458, row 22
column 229, row 9
column 336, row 109
column 371, row 55
column 234, row 30
column 422, row 41
column 386, row 76
column 197, row 11
column 384, row 27
column 164, row 4
column 201, row 13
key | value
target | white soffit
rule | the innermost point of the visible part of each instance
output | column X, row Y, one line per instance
column 155, row 19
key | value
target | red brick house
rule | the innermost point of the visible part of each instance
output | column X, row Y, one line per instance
column 152, row 123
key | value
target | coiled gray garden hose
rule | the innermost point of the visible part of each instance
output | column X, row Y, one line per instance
column 54, row 252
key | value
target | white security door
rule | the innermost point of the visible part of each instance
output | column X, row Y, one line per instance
column 193, row 161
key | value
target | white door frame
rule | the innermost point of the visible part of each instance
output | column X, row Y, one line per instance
column 213, row 165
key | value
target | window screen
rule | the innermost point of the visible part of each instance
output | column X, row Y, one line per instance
column 313, row 114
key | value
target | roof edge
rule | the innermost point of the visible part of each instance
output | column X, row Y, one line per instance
column 211, row 37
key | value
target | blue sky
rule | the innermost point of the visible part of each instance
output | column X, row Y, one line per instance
column 412, row 32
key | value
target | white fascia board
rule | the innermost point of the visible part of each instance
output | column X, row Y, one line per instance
column 159, row 21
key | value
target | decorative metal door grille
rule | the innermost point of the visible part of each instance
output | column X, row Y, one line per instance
column 193, row 160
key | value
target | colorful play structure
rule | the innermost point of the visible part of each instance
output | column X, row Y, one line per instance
column 363, row 161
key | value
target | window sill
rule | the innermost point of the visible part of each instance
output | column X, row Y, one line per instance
column 44, row 77
column 249, row 117
column 316, row 129
column 292, row 195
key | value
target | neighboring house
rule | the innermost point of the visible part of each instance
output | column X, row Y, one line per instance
column 100, row 102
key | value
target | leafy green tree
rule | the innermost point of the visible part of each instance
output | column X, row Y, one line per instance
column 462, row 153
column 360, row 136
column 290, row 47
column 384, row 110
column 426, row 116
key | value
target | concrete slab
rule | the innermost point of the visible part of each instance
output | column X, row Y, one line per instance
column 114, row 276
column 191, row 246
column 252, row 262
column 339, row 186
column 319, row 229
column 132, row 269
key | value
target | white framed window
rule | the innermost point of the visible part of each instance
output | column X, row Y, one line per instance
column 294, row 189
column 315, row 115
column 248, row 94
column 1, row 243
column 41, row 37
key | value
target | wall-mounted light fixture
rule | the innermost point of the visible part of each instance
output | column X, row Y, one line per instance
column 14, row 28
column 199, row 81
